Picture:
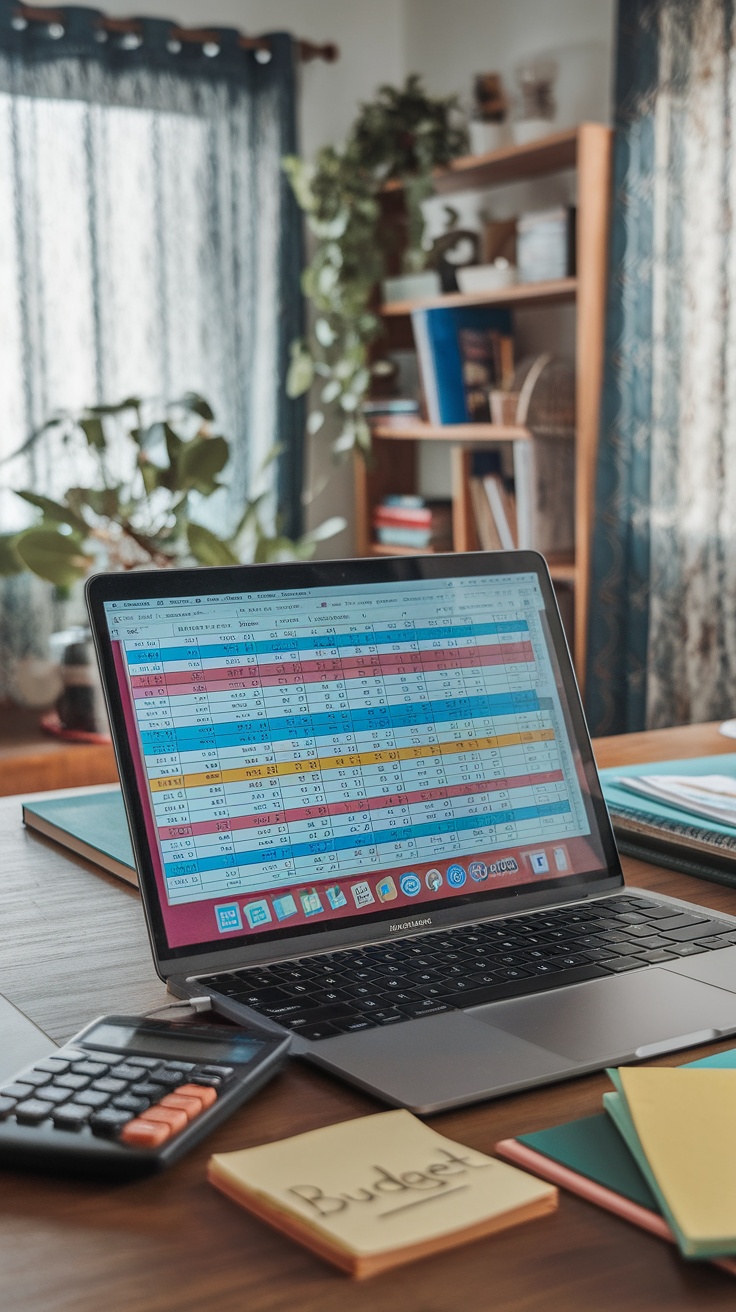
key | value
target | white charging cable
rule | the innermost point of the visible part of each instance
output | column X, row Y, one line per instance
column 191, row 1004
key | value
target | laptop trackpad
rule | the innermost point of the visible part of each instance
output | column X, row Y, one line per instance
column 612, row 1019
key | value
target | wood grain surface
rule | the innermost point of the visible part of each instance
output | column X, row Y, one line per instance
column 74, row 946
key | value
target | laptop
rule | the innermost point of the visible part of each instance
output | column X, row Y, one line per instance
column 364, row 810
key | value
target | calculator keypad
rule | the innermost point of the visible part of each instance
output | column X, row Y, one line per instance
column 140, row 1101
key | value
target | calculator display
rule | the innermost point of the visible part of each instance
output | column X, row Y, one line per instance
column 126, row 1038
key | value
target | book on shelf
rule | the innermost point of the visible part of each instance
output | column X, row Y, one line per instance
column 437, row 335
column 529, row 486
column 379, row 1191
column 486, row 357
column 545, row 243
column 423, row 526
column 664, row 831
column 91, row 824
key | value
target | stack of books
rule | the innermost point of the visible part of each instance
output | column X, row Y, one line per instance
column 662, row 1154
column 414, row 524
column 463, row 352
column 523, row 496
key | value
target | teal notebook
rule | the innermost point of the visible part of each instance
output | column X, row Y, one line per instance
column 653, row 831
column 91, row 824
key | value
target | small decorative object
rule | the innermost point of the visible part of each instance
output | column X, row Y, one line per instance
column 453, row 250
column 487, row 126
column 541, row 397
column 545, row 244
column 498, row 239
column 80, row 708
column 537, row 106
column 487, row 277
column 398, row 138
column 411, row 286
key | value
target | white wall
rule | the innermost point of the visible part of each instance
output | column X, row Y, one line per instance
column 382, row 41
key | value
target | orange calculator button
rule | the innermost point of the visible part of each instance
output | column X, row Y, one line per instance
column 205, row 1094
column 192, row 1106
column 171, row 1116
column 145, row 1134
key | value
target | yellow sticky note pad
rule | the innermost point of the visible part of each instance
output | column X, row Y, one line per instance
column 686, row 1123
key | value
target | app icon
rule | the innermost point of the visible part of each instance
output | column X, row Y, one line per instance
column 560, row 856
column 538, row 862
column 478, row 870
column 362, row 895
column 311, row 904
column 257, row 913
column 456, row 876
column 284, row 906
column 336, row 897
column 228, row 917
column 411, row 884
column 386, row 889
column 433, row 880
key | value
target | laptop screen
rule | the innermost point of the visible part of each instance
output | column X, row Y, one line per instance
column 314, row 755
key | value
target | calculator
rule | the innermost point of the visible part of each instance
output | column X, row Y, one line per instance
column 127, row 1095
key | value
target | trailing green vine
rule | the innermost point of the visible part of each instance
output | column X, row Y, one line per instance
column 403, row 134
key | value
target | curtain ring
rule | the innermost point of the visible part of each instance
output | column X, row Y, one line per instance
column 173, row 47
column 18, row 23
column 55, row 31
column 263, row 56
column 210, row 49
column 131, row 41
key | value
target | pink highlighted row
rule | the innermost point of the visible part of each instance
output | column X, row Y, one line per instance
column 357, row 804
column 177, row 682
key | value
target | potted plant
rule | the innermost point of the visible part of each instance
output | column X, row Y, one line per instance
column 400, row 136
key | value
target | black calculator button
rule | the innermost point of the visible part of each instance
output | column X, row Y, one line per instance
column 92, row 1098
column 207, row 1081
column 7, row 1105
column 127, row 1072
column 184, row 1066
column 109, row 1121
column 109, row 1084
column 112, row 1058
column 91, row 1068
column 53, row 1094
column 148, row 1063
column 146, row 1089
column 169, row 1077
column 17, row 1090
column 71, row 1117
column 36, row 1078
column 128, row 1102
column 33, row 1111
column 71, row 1081
column 225, row 1072
column 55, row 1065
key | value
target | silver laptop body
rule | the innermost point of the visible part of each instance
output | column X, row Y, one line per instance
column 365, row 809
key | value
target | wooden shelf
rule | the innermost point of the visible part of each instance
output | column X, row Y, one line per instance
column 511, row 164
column 379, row 549
column 424, row 432
column 558, row 291
column 31, row 761
column 563, row 571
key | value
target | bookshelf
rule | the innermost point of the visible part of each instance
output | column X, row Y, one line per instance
column 394, row 463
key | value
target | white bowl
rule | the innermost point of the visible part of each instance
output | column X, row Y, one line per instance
column 486, row 277
column 411, row 286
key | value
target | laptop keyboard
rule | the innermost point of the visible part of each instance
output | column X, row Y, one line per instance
column 387, row 983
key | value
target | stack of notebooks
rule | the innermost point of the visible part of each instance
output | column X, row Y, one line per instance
column 680, row 814
column 662, row 1155
column 413, row 523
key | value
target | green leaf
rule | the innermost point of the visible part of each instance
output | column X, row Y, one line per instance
column 197, row 404
column 52, row 555
column 174, row 443
column 102, row 501
column 199, row 461
column 301, row 373
column 10, row 561
column 94, row 432
column 54, row 511
column 249, row 514
column 327, row 529
column 207, row 548
column 150, row 474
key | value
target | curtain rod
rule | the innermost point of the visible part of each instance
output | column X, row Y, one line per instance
column 308, row 50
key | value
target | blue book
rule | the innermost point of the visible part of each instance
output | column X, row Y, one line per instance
column 437, row 336
column 93, row 825
column 652, row 830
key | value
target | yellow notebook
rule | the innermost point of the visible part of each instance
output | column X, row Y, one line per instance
column 379, row 1191
column 684, row 1122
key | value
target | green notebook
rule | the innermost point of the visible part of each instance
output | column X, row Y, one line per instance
column 93, row 825
column 653, row 831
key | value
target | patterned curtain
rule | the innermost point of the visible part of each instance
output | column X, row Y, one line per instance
column 663, row 621
column 149, row 246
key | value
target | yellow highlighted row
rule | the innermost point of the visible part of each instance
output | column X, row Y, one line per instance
column 384, row 756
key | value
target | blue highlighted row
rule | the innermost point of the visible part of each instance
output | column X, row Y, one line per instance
column 287, row 852
column 189, row 737
column 382, row 638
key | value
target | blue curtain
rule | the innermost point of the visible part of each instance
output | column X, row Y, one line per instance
column 662, row 637
column 149, row 245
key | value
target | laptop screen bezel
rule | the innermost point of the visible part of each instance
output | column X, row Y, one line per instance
column 103, row 588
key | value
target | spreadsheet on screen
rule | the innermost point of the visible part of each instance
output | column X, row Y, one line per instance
column 326, row 734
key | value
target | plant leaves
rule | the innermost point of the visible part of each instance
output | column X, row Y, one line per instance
column 52, row 555
column 199, row 461
column 327, row 529
column 197, row 404
column 207, row 548
column 102, row 501
column 300, row 374
column 55, row 512
column 315, row 422
column 10, row 561
column 94, row 432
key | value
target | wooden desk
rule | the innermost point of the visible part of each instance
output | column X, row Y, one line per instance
column 74, row 945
